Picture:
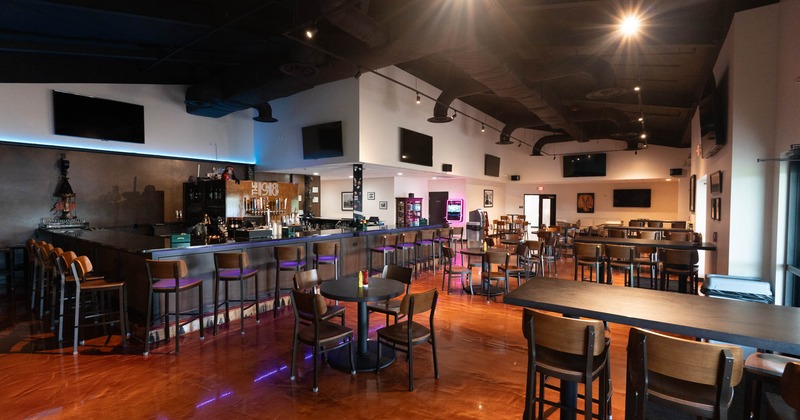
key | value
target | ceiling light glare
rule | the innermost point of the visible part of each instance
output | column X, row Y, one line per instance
column 630, row 25
column 400, row 174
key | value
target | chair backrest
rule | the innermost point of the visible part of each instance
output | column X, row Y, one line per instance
column 310, row 304
column 446, row 233
column 588, row 251
column 650, row 234
column 80, row 267
column 227, row 260
column 563, row 334
column 717, row 365
column 655, row 223
column 623, row 253
column 511, row 237
column 53, row 256
column 417, row 303
column 790, row 385
column 489, row 242
column 407, row 238
column 636, row 223
column 389, row 240
column 494, row 257
column 678, row 225
column 64, row 264
column 166, row 269
column 326, row 248
column 521, row 250
column 448, row 255
column 679, row 257
column 617, row 233
column 426, row 235
column 457, row 231
column 399, row 273
column 290, row 253
column 306, row 280
column 680, row 236
column 534, row 247
column 43, row 253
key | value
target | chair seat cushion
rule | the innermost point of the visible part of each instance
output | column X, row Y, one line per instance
column 564, row 365
column 166, row 285
column 328, row 333
column 503, row 267
column 405, row 245
column 383, row 249
column 425, row 242
column 398, row 333
column 292, row 264
column 326, row 258
column 100, row 284
column 391, row 307
column 768, row 364
column 233, row 273
column 695, row 397
column 457, row 269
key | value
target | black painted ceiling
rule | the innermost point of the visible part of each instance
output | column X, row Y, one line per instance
column 552, row 65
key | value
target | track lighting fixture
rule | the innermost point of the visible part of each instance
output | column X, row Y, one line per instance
column 455, row 114
column 554, row 157
column 311, row 31
column 418, row 100
column 483, row 128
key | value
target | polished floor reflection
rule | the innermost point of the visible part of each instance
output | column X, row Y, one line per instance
column 482, row 361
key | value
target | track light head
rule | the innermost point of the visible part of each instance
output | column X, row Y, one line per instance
column 483, row 128
column 418, row 100
column 311, row 31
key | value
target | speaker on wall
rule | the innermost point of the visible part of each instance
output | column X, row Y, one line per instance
column 446, row 167
column 676, row 172
column 515, row 177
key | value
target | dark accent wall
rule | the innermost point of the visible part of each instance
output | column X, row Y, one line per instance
column 112, row 190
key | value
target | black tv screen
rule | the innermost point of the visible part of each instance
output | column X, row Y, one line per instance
column 416, row 148
column 632, row 198
column 104, row 119
column 589, row 164
column 491, row 165
column 323, row 141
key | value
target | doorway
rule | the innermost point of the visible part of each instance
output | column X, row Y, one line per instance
column 540, row 209
column 437, row 207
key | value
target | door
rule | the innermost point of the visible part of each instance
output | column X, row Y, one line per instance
column 437, row 207
column 540, row 209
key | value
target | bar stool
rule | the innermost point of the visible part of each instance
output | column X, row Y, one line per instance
column 327, row 253
column 228, row 267
column 405, row 246
column 681, row 263
column 288, row 258
column 64, row 269
column 386, row 249
column 165, row 277
column 80, row 267
column 442, row 238
column 44, row 271
column 424, row 249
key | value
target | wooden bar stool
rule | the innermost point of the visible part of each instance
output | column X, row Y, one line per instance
column 327, row 253
column 81, row 266
column 760, row 368
column 170, row 277
column 228, row 267
column 287, row 258
column 425, row 249
column 387, row 248
column 405, row 247
column 442, row 238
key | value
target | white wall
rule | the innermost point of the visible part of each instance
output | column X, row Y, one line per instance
column 280, row 145
column 456, row 188
column 26, row 116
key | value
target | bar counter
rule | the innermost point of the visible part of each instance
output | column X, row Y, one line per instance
column 121, row 255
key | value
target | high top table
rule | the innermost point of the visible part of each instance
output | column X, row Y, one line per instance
column 346, row 289
column 751, row 324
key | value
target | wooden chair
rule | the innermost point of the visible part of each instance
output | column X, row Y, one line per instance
column 425, row 250
column 86, row 285
column 443, row 237
column 490, row 270
column 568, row 349
column 681, row 263
column 234, row 267
column 636, row 223
column 787, row 407
column 617, row 233
column 622, row 257
column 309, row 281
column 457, row 236
column 409, row 333
column 535, row 252
column 391, row 307
column 678, row 225
column 761, row 368
column 450, row 270
column 655, row 223
column 691, row 376
column 521, row 267
column 322, row 335
column 588, row 255
column 171, row 277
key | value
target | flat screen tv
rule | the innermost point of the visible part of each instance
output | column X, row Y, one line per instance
column 632, row 198
column 323, row 140
column 104, row 119
column 416, row 148
column 589, row 164
column 491, row 165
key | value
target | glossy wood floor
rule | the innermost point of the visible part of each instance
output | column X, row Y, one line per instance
column 482, row 361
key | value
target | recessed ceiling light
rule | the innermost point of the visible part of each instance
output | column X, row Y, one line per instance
column 400, row 174
column 316, row 173
column 433, row 178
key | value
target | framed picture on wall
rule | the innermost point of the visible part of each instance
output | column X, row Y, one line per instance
column 383, row 205
column 347, row 201
column 585, row 202
column 488, row 198
column 371, row 195
column 692, row 192
column 715, row 181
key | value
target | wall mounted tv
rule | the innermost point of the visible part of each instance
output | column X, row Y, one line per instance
column 491, row 165
column 632, row 198
column 590, row 164
column 323, row 140
column 416, row 148
column 104, row 119
column 713, row 110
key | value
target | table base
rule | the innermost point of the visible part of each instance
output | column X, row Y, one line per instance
column 363, row 362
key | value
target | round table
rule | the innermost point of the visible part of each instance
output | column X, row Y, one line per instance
column 346, row 289
column 478, row 252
